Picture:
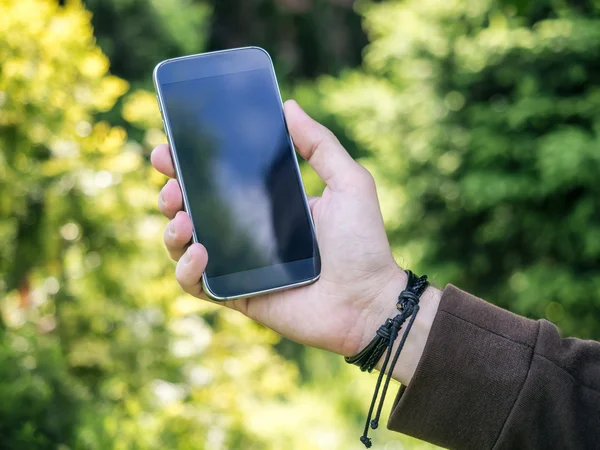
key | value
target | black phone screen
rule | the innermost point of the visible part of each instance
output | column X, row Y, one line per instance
column 239, row 170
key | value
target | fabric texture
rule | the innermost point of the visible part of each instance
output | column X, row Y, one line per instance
column 489, row 379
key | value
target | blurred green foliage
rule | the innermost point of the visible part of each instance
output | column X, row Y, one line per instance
column 479, row 120
column 99, row 349
column 482, row 123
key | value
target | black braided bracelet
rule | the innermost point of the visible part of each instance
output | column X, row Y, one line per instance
column 408, row 307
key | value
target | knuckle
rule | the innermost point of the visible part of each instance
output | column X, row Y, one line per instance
column 328, row 137
column 168, row 234
column 364, row 177
column 359, row 181
column 173, row 245
column 174, row 254
column 165, row 207
column 181, row 279
column 323, row 139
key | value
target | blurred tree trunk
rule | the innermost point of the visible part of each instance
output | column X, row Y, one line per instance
column 306, row 38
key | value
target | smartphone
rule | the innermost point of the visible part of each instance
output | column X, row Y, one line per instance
column 238, row 171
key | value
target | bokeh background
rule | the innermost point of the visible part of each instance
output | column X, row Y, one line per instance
column 480, row 120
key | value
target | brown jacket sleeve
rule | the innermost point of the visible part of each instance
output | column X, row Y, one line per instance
column 489, row 379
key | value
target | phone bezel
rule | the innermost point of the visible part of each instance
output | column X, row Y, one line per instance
column 205, row 280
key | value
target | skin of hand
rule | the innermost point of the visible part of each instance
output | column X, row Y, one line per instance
column 360, row 281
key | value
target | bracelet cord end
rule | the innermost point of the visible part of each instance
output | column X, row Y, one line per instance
column 365, row 440
column 408, row 307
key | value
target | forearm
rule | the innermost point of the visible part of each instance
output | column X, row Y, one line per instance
column 491, row 379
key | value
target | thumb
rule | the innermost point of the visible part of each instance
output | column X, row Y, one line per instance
column 318, row 146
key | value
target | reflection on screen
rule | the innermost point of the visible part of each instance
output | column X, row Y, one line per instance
column 239, row 174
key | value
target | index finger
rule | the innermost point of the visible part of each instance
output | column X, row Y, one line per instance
column 161, row 160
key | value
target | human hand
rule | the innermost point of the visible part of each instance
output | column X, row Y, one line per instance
column 360, row 281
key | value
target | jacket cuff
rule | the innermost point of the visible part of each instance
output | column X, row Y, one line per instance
column 473, row 367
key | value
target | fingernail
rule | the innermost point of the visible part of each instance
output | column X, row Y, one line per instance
column 171, row 229
column 162, row 197
column 187, row 257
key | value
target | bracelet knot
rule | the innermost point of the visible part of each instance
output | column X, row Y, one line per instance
column 407, row 300
column 408, row 307
column 384, row 330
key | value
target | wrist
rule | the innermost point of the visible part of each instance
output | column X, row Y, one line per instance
column 384, row 307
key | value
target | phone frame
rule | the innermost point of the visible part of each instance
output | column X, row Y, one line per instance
column 205, row 283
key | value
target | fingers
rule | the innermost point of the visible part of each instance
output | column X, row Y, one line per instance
column 319, row 146
column 170, row 200
column 178, row 232
column 190, row 268
column 178, row 235
column 161, row 160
